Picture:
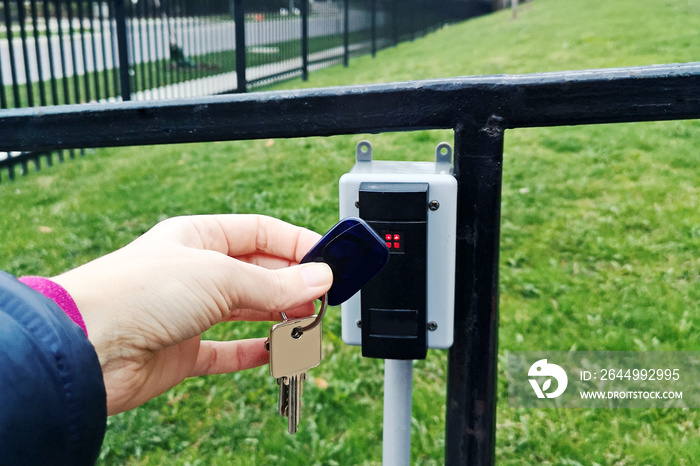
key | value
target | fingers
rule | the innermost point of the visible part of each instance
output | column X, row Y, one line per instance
column 266, row 261
column 247, row 234
column 272, row 291
column 251, row 315
column 237, row 235
column 220, row 357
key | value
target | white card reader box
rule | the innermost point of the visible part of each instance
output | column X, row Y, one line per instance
column 409, row 306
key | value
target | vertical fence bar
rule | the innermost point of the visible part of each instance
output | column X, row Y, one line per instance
column 114, row 49
column 11, row 50
column 346, row 32
column 201, row 50
column 93, row 40
column 373, row 26
column 132, row 42
column 3, row 97
column 138, row 58
column 49, row 48
column 123, row 47
column 394, row 22
column 190, row 72
column 146, row 49
column 185, row 73
column 175, row 42
column 153, row 49
column 239, row 20
column 74, row 62
column 163, row 62
column 411, row 22
column 172, row 40
column 83, row 43
column 304, row 39
column 205, row 60
column 103, row 35
column 62, row 52
column 471, row 386
column 73, row 52
column 65, row 94
column 189, row 40
column 22, row 17
column 41, row 83
column 156, row 48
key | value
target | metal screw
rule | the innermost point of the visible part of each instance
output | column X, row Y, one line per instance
column 434, row 205
column 357, row 204
column 432, row 326
column 358, row 323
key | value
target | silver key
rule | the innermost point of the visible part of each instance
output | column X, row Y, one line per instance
column 291, row 355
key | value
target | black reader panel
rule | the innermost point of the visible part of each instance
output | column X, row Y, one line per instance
column 393, row 304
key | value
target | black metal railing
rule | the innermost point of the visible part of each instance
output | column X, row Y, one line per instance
column 478, row 109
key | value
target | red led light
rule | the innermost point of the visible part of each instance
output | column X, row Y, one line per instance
column 393, row 240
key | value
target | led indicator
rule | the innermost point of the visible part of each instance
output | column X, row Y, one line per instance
column 393, row 240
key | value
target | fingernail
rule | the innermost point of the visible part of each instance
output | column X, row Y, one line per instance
column 317, row 274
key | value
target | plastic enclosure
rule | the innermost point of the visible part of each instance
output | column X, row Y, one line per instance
column 441, row 212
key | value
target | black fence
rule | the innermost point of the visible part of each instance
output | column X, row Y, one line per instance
column 479, row 110
column 57, row 52
column 78, row 51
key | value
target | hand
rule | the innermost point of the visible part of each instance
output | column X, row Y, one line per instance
column 146, row 305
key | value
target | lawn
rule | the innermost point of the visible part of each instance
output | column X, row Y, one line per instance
column 600, row 235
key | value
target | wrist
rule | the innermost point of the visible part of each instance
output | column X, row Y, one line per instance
column 88, row 296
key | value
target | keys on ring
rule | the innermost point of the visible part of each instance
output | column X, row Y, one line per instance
column 355, row 254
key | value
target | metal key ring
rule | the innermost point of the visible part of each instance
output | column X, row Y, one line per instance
column 299, row 331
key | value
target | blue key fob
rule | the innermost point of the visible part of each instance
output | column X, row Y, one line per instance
column 355, row 254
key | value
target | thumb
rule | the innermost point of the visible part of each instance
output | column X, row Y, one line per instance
column 280, row 289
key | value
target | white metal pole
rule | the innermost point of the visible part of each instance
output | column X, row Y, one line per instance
column 398, row 385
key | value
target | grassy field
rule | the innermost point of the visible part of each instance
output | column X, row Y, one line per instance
column 599, row 251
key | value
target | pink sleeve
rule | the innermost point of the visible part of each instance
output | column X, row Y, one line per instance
column 59, row 295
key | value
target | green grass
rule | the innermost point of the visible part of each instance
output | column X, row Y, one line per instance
column 599, row 251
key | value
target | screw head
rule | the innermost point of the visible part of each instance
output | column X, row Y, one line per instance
column 434, row 205
column 357, row 204
column 432, row 326
column 358, row 323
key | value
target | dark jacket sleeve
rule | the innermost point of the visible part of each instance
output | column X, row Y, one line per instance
column 53, row 406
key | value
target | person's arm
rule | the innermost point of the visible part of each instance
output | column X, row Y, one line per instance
column 52, row 395
column 146, row 305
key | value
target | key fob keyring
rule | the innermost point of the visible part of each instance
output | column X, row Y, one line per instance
column 297, row 332
column 355, row 254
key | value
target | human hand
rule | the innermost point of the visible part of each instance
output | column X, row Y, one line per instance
column 146, row 305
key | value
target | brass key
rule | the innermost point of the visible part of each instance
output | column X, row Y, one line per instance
column 292, row 354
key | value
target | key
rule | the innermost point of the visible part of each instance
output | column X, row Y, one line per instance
column 292, row 354
column 283, row 398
